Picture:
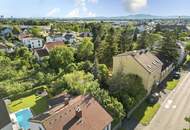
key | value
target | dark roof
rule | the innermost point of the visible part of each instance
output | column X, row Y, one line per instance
column 165, row 61
column 146, row 59
column 4, row 115
column 42, row 52
column 59, row 99
column 65, row 116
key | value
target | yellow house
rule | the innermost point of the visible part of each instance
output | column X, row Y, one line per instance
column 142, row 63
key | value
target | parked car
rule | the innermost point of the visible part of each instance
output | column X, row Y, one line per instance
column 153, row 98
column 176, row 75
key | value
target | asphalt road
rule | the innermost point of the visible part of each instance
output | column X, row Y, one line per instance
column 174, row 109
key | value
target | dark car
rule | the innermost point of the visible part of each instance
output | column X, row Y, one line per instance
column 176, row 75
column 153, row 98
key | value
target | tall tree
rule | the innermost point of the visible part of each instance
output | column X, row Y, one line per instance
column 110, row 48
column 126, row 39
column 168, row 48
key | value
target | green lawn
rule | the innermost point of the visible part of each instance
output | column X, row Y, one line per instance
column 146, row 112
column 35, row 103
column 172, row 84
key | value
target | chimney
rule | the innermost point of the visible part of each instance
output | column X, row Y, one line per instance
column 66, row 101
column 78, row 113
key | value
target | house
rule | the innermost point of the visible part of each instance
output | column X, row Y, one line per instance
column 6, row 31
column 142, row 63
column 69, row 38
column 6, row 48
column 77, row 113
column 44, row 52
column 5, row 121
column 32, row 43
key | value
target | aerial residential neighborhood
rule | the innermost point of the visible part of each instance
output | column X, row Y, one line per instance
column 94, row 65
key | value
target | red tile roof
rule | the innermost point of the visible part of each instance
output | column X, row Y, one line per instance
column 51, row 45
column 64, row 117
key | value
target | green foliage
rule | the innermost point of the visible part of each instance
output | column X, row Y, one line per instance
column 61, row 57
column 168, row 48
column 36, row 31
column 16, row 30
column 109, row 48
column 126, row 39
column 80, row 83
column 187, row 46
column 128, row 89
column 172, row 84
column 149, row 114
column 85, row 50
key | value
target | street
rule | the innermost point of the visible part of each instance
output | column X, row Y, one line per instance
column 174, row 109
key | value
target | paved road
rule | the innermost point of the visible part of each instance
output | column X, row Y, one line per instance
column 174, row 109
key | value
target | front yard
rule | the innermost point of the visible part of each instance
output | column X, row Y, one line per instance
column 146, row 112
column 37, row 104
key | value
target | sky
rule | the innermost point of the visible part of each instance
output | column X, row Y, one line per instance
column 92, row 8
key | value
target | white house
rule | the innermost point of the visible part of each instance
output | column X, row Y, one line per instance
column 5, row 121
column 33, row 43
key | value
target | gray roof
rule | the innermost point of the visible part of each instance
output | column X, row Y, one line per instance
column 4, row 115
column 146, row 59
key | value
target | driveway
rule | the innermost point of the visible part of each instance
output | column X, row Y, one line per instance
column 174, row 109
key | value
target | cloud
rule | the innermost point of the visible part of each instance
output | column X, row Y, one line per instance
column 91, row 14
column 81, row 9
column 53, row 12
column 135, row 5
column 93, row 1
column 73, row 13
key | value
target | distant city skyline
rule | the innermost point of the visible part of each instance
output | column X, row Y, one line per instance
column 92, row 8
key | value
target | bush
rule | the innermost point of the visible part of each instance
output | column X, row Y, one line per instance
column 172, row 84
column 149, row 114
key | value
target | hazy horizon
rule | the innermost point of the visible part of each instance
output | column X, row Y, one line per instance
column 92, row 8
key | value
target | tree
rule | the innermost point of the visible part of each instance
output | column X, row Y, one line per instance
column 81, row 83
column 16, row 30
column 168, row 48
column 98, row 35
column 61, row 57
column 187, row 46
column 143, row 40
column 187, row 119
column 110, row 48
column 36, row 31
column 152, row 40
column 158, row 28
column 128, row 88
column 85, row 50
column 126, row 39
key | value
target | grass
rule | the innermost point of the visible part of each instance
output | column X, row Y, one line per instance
column 146, row 112
column 35, row 103
column 172, row 84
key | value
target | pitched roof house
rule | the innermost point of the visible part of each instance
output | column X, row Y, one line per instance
column 79, row 113
column 5, row 121
column 142, row 63
column 43, row 52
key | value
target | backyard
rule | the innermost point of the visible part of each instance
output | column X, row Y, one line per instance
column 37, row 104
